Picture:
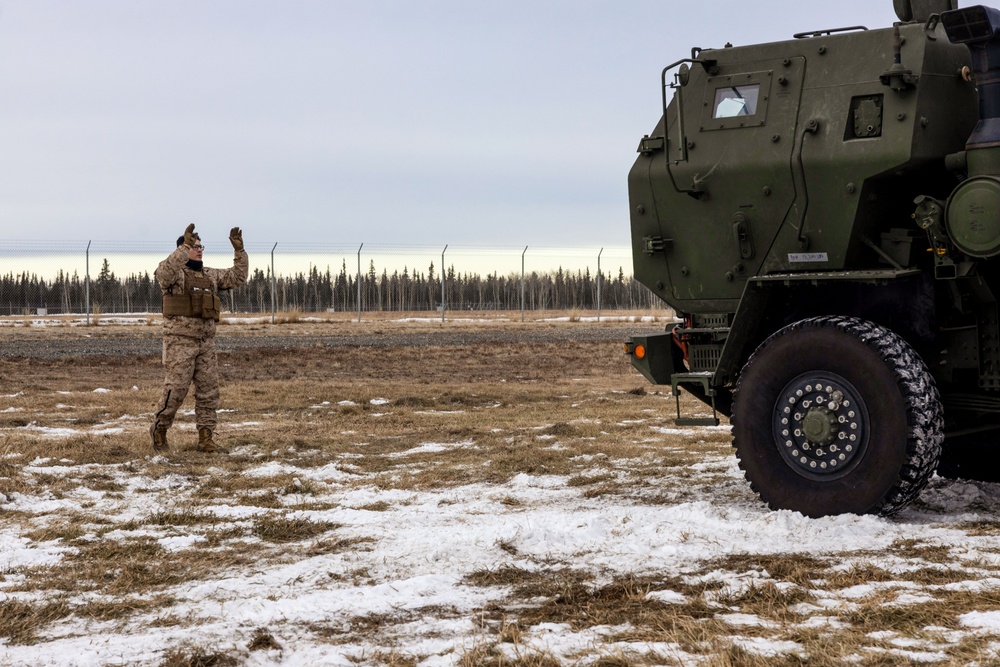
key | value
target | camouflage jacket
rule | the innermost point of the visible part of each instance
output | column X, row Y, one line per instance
column 172, row 273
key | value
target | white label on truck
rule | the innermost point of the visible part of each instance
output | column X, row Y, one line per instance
column 807, row 257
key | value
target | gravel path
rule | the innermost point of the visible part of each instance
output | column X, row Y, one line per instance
column 146, row 343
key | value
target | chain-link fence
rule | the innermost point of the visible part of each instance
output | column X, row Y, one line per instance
column 99, row 277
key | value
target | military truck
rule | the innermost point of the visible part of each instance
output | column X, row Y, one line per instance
column 823, row 215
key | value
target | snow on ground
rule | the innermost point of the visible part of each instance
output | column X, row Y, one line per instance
column 421, row 545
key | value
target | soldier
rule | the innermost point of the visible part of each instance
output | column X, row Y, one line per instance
column 191, row 308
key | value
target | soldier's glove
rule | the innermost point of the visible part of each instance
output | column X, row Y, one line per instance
column 236, row 238
column 189, row 236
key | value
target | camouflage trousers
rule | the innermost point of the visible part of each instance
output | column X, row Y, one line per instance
column 188, row 360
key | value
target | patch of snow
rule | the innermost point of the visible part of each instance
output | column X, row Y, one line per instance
column 667, row 597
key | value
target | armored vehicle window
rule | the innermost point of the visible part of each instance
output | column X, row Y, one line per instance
column 736, row 101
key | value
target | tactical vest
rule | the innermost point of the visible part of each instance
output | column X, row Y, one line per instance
column 198, row 299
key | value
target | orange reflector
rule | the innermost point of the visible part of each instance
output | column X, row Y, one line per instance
column 640, row 351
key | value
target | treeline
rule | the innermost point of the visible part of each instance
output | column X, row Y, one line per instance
column 315, row 291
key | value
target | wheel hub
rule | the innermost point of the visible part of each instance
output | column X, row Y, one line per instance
column 821, row 424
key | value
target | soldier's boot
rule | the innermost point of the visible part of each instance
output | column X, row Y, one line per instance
column 158, row 434
column 206, row 444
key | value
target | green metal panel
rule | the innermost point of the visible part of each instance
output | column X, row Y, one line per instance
column 828, row 156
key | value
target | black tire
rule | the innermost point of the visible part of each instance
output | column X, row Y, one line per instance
column 863, row 427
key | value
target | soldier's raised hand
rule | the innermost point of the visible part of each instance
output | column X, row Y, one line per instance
column 189, row 236
column 236, row 238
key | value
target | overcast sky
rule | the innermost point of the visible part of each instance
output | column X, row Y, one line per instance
column 382, row 121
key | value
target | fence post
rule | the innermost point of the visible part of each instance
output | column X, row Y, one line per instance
column 359, row 281
column 274, row 286
column 442, row 281
column 599, row 284
column 522, row 282
column 86, row 303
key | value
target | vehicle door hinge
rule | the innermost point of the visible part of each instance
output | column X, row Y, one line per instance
column 655, row 244
column 741, row 229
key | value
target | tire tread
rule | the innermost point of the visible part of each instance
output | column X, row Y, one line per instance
column 925, row 424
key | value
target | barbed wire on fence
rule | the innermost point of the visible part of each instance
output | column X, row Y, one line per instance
column 89, row 277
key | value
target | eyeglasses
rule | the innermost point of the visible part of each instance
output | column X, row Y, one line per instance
column 197, row 246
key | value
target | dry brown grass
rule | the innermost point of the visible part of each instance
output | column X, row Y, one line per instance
column 19, row 621
column 428, row 418
column 197, row 656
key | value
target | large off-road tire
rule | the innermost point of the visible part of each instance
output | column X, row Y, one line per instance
column 837, row 415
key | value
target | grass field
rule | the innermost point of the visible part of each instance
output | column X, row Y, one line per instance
column 503, row 504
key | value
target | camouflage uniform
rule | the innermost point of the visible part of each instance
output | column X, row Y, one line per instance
column 189, row 341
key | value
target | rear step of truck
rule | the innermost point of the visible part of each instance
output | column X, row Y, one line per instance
column 704, row 337
column 704, row 378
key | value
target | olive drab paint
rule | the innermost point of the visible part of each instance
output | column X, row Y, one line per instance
column 846, row 172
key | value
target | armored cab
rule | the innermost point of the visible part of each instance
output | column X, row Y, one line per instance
column 823, row 214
